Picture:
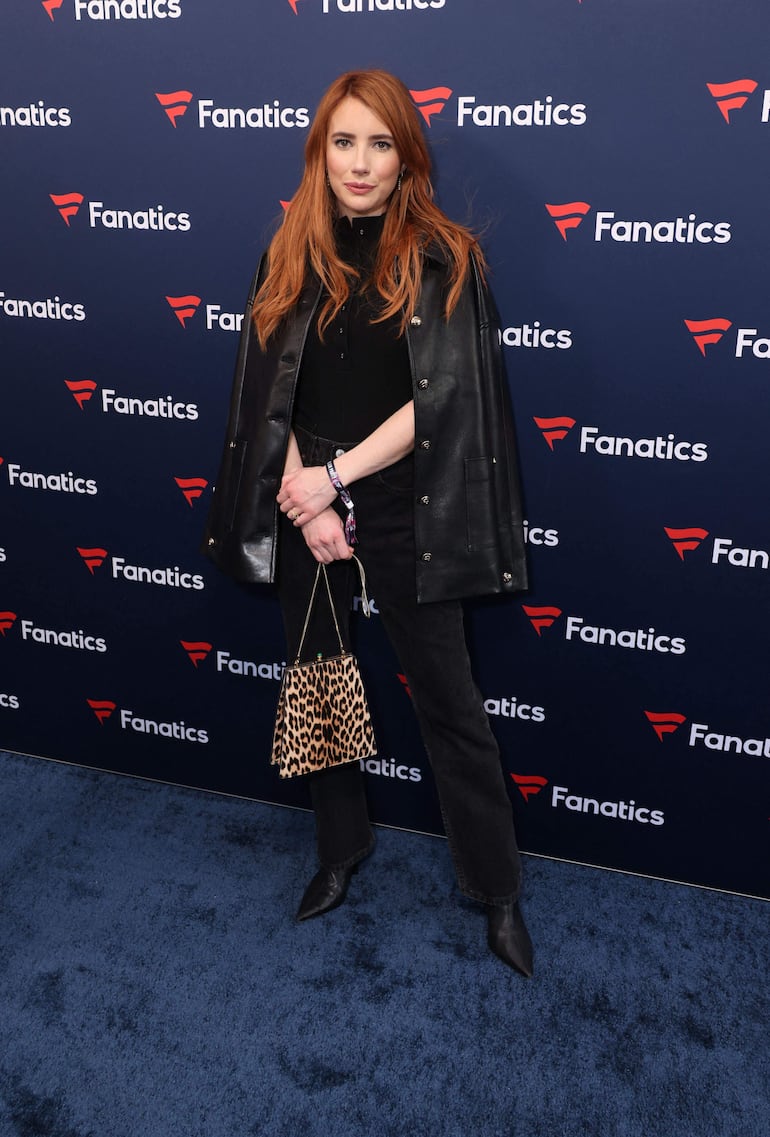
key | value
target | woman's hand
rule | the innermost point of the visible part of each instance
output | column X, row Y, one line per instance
column 305, row 492
column 325, row 537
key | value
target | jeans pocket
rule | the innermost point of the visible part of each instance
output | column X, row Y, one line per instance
column 398, row 478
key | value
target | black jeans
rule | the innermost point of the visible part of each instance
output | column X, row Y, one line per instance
column 429, row 641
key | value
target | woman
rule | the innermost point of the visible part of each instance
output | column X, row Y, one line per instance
column 369, row 387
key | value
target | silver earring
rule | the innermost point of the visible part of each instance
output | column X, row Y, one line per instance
column 400, row 180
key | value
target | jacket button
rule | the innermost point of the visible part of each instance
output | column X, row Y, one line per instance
column 424, row 384
column 233, row 444
column 425, row 500
column 425, row 557
column 507, row 578
column 415, row 321
column 211, row 541
column 425, row 444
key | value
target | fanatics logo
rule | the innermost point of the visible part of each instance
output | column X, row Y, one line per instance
column 192, row 488
column 52, row 6
column 707, row 331
column 92, row 558
column 555, row 429
column 529, row 784
column 541, row 617
column 102, row 708
column 7, row 620
column 293, row 6
column 197, row 650
column 731, row 96
column 68, row 204
column 184, row 307
column 664, row 723
column 568, row 216
column 685, row 540
column 175, row 104
column 404, row 682
column 664, row 447
column 675, row 231
column 81, row 389
column 431, row 101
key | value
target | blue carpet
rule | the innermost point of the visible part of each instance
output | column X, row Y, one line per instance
column 153, row 984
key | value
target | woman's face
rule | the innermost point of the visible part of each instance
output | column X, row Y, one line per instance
column 361, row 160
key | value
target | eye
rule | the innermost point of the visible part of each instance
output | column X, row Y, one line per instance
column 342, row 143
column 382, row 145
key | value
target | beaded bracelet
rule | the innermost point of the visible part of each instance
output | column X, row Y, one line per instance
column 347, row 501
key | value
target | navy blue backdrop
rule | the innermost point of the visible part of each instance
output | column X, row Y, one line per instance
column 616, row 157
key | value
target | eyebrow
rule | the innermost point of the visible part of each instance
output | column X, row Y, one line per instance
column 372, row 137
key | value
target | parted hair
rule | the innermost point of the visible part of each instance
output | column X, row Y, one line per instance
column 412, row 219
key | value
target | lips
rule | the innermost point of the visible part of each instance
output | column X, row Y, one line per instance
column 358, row 187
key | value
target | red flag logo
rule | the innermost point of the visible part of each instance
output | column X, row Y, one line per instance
column 196, row 649
column 82, row 390
column 192, row 488
column 175, row 104
column 731, row 96
column 293, row 6
column 68, row 204
column 102, row 708
column 92, row 558
column 7, row 620
column 664, row 723
column 555, row 429
column 529, row 784
column 184, row 307
column 685, row 540
column 431, row 101
column 52, row 6
column 707, row 331
column 542, row 616
column 568, row 216
column 405, row 682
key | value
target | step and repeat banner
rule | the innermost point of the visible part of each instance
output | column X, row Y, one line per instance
column 615, row 156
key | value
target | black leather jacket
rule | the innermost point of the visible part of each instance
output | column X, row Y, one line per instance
column 467, row 511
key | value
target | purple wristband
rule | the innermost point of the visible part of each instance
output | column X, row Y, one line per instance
column 347, row 501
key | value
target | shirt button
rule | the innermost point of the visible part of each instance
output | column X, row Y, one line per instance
column 425, row 557
column 211, row 541
column 425, row 500
column 507, row 578
column 425, row 444
column 415, row 321
column 423, row 384
column 233, row 445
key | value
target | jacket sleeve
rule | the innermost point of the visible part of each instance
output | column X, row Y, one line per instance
column 215, row 542
column 500, row 426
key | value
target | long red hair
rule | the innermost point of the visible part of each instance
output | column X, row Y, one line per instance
column 412, row 220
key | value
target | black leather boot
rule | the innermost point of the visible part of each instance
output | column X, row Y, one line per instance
column 508, row 937
column 326, row 891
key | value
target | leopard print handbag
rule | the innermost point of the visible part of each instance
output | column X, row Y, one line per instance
column 322, row 717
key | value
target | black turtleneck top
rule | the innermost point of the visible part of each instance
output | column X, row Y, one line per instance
column 360, row 374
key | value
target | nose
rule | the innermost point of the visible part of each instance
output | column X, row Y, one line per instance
column 360, row 161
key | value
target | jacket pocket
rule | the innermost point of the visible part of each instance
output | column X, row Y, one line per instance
column 481, row 523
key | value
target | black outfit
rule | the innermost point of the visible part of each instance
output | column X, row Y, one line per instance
column 440, row 524
column 468, row 513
